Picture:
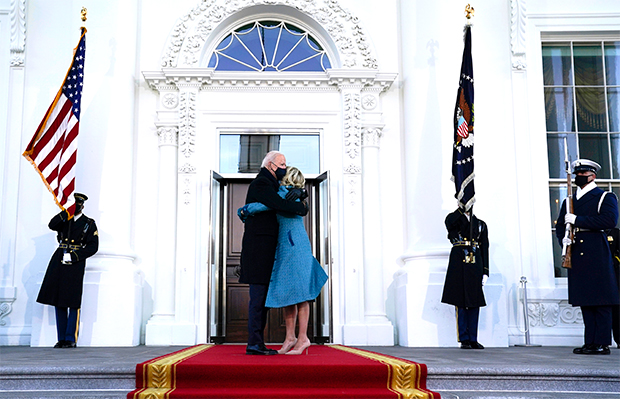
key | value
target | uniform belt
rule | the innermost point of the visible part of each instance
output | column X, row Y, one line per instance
column 464, row 243
column 73, row 247
column 578, row 229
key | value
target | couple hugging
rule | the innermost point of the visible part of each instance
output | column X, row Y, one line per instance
column 276, row 257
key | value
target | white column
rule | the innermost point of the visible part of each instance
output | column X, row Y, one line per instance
column 380, row 329
column 354, row 329
column 159, row 328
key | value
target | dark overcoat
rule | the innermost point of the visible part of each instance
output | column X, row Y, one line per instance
column 260, row 236
column 463, row 284
column 591, row 280
column 62, row 284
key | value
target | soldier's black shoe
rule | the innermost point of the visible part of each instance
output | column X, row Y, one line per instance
column 60, row 344
column 259, row 350
column 597, row 350
column 579, row 351
column 69, row 344
column 476, row 345
column 466, row 345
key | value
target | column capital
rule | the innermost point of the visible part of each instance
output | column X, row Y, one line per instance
column 168, row 135
column 371, row 135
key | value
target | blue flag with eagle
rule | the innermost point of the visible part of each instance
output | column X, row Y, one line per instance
column 463, row 150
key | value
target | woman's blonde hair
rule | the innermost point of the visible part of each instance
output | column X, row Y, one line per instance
column 293, row 177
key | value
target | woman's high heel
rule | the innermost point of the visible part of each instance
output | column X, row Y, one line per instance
column 286, row 347
column 299, row 351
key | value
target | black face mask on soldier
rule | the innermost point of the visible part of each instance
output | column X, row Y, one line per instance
column 581, row 180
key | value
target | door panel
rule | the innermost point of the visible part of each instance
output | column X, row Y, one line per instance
column 237, row 295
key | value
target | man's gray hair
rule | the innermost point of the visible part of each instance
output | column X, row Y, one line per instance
column 271, row 155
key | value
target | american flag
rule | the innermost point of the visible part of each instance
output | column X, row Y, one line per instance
column 463, row 148
column 53, row 148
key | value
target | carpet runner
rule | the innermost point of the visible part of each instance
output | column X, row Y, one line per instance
column 324, row 371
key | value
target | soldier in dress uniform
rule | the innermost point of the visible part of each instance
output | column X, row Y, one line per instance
column 62, row 285
column 468, row 270
column 591, row 279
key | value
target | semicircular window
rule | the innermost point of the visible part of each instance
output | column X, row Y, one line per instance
column 269, row 46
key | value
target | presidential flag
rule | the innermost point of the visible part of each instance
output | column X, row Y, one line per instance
column 463, row 149
column 53, row 148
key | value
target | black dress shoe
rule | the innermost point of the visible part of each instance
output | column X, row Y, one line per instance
column 69, row 344
column 60, row 344
column 259, row 350
column 596, row 350
column 579, row 351
column 476, row 345
column 466, row 345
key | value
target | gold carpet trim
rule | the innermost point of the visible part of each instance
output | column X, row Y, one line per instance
column 160, row 375
column 403, row 377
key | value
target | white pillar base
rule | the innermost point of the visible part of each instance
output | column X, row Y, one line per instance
column 163, row 331
column 368, row 334
column 111, row 305
column 424, row 321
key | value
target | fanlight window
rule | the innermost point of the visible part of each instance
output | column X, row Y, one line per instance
column 269, row 46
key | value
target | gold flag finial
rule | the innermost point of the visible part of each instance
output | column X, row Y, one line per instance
column 83, row 12
column 469, row 11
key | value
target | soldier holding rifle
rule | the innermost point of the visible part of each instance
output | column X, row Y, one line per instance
column 591, row 283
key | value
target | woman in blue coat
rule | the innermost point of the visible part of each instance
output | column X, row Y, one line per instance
column 591, row 279
column 297, row 276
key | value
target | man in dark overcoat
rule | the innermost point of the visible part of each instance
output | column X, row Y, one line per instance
column 591, row 279
column 63, row 282
column 260, row 239
column 468, row 269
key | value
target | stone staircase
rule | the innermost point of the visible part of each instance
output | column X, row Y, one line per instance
column 514, row 373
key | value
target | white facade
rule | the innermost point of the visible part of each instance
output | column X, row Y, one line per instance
column 151, row 118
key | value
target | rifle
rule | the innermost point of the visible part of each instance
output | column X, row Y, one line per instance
column 569, row 233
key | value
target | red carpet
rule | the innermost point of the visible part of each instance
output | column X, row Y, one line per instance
column 225, row 371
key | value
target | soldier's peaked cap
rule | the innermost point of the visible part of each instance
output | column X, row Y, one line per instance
column 79, row 197
column 584, row 165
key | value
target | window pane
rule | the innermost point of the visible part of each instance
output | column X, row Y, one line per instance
column 559, row 109
column 612, row 62
column 244, row 153
column 555, row 149
column 615, row 155
column 588, row 64
column 594, row 147
column 556, row 197
column 557, row 64
column 591, row 113
column 613, row 106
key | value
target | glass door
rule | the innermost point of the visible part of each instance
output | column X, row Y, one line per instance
column 216, row 329
column 323, row 317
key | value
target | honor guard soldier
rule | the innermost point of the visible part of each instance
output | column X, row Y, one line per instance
column 591, row 278
column 468, row 270
column 62, row 285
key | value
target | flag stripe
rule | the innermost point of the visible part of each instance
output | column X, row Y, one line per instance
column 53, row 148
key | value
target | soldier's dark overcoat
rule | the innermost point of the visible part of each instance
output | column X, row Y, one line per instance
column 591, row 280
column 463, row 284
column 62, row 284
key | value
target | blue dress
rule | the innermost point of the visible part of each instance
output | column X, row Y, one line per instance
column 297, row 276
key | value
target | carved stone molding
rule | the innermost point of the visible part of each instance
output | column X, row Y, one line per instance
column 18, row 32
column 187, row 40
column 551, row 314
column 187, row 169
column 170, row 100
column 172, row 79
column 518, row 24
column 187, row 125
column 6, row 307
column 369, row 102
column 352, row 125
column 168, row 135
column 371, row 136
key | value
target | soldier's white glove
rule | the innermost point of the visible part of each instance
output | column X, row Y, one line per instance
column 484, row 279
column 566, row 241
column 66, row 258
column 570, row 218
